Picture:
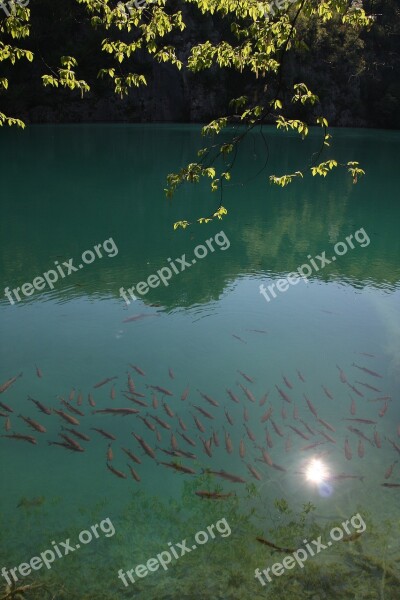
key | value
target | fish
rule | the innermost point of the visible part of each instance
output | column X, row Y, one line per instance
column 311, row 406
column 300, row 376
column 116, row 472
column 307, row 427
column 268, row 439
column 34, row 424
column 279, row 467
column 7, row 424
column 182, row 424
column 158, row 435
column 185, row 454
column 28, row 503
column 257, row 330
column 366, row 421
column 391, row 485
column 38, row 372
column 72, row 408
column 131, row 455
column 19, row 436
column 389, row 471
column 232, row 396
column 160, row 389
column 228, row 443
column 247, row 392
column 367, row 354
column 327, row 392
column 212, row 495
column 171, row 373
column 224, row 475
column 138, row 370
column 154, row 401
column 178, row 467
column 271, row 545
column 207, row 447
column 160, row 421
column 208, row 398
column 310, row 446
column 266, row 457
column 283, row 413
column 246, row 377
column 300, row 433
column 104, row 433
column 133, row 473
column 381, row 399
column 131, row 384
column 377, row 439
column 360, row 448
column 288, row 444
column 136, row 401
column 91, row 401
column 328, row 426
column 116, row 411
column 295, row 413
column 287, row 382
column 342, row 376
column 40, row 406
column 112, row 393
column 238, row 338
column 370, row 387
column 79, row 399
column 187, row 439
column 138, row 317
column 355, row 390
column 283, row 395
column 6, row 407
column 3, row 414
column 352, row 406
column 77, row 434
column 66, row 417
column 149, row 451
column 266, row 415
column 147, row 423
column 373, row 373
column 254, row 472
column 104, row 381
column 245, row 414
column 72, row 442
column 347, row 450
column 327, row 437
column 359, row 433
column 205, row 413
column 168, row 410
column 185, row 393
column 215, row 439
column 242, row 449
column 395, row 446
column 263, row 399
column 65, row 445
column 345, row 476
column 71, row 395
column 383, row 409
column 199, row 424
column 228, row 417
column 9, row 383
column 250, row 434
column 174, row 443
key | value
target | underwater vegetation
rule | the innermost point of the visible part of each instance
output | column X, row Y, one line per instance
column 365, row 568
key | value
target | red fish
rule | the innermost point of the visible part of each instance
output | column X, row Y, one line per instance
column 6, row 407
column 72, row 408
column 238, row 338
column 224, row 475
column 23, row 438
column 355, row 390
column 254, row 472
column 160, row 389
column 7, row 424
column 232, row 396
column 104, row 381
column 147, row 423
column 215, row 439
column 8, row 383
column 185, row 393
column 342, row 376
column 33, row 424
column 287, row 382
column 328, row 426
column 171, row 373
column 248, row 393
column 79, row 399
column 373, row 373
column 246, row 377
column 389, row 471
column 301, row 376
column 38, row 372
column 168, row 410
column 132, row 455
column 199, row 424
column 242, row 449
column 40, row 406
column 327, row 392
column 384, row 409
column 212, row 495
column 277, row 429
column 66, row 417
column 138, row 370
column 352, row 406
column 77, row 434
column 268, row 439
column 182, row 424
column 377, row 439
column 228, row 417
column 187, row 439
column 283, row 395
column 207, row 447
column 104, row 433
column 91, row 401
column 112, row 393
column 116, row 411
column 266, row 415
column 250, row 434
column 205, row 413
column 360, row 448
column 311, row 406
column 116, row 472
column 263, row 399
column 295, row 413
column 138, row 317
column 245, row 414
column 228, row 443
column 300, row 433
column 360, row 434
column 347, row 450
column 160, row 421
column 366, row 421
column 149, row 451
column 370, row 387
column 133, row 473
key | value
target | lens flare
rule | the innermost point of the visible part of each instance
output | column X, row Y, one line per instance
column 316, row 471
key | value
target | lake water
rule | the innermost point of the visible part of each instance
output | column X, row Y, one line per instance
column 332, row 338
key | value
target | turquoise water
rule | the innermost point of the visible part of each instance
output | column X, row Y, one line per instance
column 65, row 190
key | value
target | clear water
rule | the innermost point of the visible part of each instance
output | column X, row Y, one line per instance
column 65, row 189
